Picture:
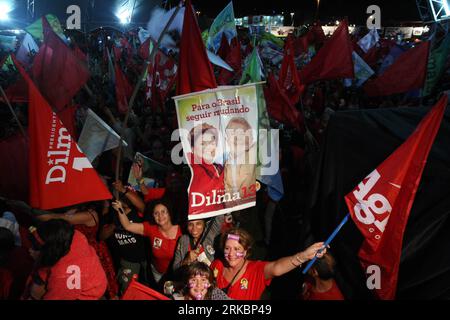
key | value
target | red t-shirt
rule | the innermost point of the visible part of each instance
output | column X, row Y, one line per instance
column 163, row 249
column 333, row 294
column 82, row 260
column 249, row 286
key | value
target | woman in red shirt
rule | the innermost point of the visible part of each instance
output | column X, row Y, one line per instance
column 67, row 268
column 162, row 233
column 244, row 279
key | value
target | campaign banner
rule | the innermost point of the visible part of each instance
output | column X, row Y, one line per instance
column 153, row 172
column 218, row 131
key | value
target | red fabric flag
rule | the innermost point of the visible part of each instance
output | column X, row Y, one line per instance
column 57, row 71
column 279, row 106
column 161, row 77
column 288, row 77
column 224, row 48
column 144, row 49
column 80, row 54
column 67, row 117
column 317, row 35
column 234, row 59
column 60, row 174
column 334, row 59
column 381, row 203
column 123, row 89
column 137, row 291
column 195, row 73
column 117, row 53
column 408, row 72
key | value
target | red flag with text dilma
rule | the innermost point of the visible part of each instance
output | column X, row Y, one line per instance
column 57, row 71
column 334, row 59
column 380, row 205
column 60, row 174
column 195, row 72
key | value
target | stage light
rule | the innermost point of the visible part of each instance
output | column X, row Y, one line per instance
column 5, row 9
column 124, row 16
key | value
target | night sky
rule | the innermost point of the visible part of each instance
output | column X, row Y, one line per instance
column 392, row 11
column 355, row 10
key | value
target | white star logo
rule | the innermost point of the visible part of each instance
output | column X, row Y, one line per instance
column 50, row 162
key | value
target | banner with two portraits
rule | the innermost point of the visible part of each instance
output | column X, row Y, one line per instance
column 219, row 135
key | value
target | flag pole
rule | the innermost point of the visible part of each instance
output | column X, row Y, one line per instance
column 327, row 242
column 136, row 89
column 13, row 112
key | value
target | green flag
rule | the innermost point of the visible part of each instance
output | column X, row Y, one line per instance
column 272, row 38
column 8, row 64
column 253, row 73
column 36, row 30
column 224, row 23
column 436, row 64
column 253, row 69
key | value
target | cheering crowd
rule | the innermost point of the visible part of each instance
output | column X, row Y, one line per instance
column 99, row 250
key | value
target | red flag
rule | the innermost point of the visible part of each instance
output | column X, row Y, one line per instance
column 117, row 53
column 316, row 34
column 408, row 72
column 381, row 203
column 279, row 106
column 144, row 49
column 67, row 117
column 137, row 291
column 224, row 48
column 334, row 59
column 195, row 72
column 60, row 174
column 161, row 77
column 234, row 59
column 288, row 78
column 123, row 89
column 57, row 71
column 80, row 54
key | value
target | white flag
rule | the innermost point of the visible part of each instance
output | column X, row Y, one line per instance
column 97, row 137
column 369, row 40
column 28, row 46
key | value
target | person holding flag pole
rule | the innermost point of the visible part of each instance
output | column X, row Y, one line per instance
column 381, row 203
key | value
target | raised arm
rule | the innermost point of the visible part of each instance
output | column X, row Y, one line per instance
column 286, row 264
column 80, row 217
column 137, row 228
column 137, row 201
column 137, row 172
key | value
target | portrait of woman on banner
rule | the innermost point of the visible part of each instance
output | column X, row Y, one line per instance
column 207, row 184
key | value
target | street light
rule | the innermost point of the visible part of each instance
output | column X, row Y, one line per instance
column 292, row 18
